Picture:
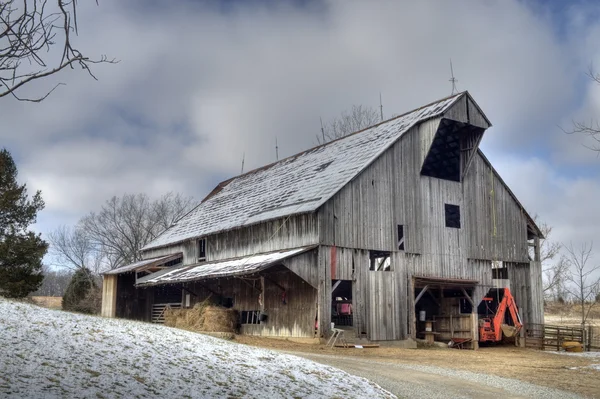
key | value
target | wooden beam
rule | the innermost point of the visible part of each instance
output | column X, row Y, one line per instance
column 274, row 283
column 207, row 288
column 433, row 297
column 190, row 291
column 250, row 285
column 467, row 296
column 423, row 291
column 337, row 283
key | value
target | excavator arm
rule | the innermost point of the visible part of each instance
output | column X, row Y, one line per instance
column 494, row 321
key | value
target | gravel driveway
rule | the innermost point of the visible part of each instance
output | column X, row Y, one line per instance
column 417, row 381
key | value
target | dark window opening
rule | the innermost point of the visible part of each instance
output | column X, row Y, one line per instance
column 380, row 261
column 443, row 158
column 401, row 237
column 250, row 317
column 201, row 249
column 452, row 215
column 465, row 306
column 227, row 302
column 500, row 273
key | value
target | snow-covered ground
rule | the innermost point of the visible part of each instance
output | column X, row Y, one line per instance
column 53, row 354
column 590, row 355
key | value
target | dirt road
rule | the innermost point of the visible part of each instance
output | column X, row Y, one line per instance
column 416, row 381
column 577, row 375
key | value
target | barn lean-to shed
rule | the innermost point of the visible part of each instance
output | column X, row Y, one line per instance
column 372, row 231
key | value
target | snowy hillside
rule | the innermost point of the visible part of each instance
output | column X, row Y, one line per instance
column 53, row 354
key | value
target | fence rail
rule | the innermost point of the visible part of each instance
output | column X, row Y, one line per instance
column 158, row 311
column 552, row 337
column 549, row 337
column 593, row 339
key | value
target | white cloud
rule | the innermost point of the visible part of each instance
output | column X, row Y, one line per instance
column 198, row 87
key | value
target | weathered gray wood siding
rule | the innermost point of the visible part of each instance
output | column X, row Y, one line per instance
column 364, row 216
column 188, row 248
column 497, row 225
column 537, row 293
column 305, row 266
column 526, row 287
column 285, row 233
column 467, row 112
column 391, row 192
column 365, row 213
column 295, row 318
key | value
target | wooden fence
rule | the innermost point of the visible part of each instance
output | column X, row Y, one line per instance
column 548, row 337
column 593, row 339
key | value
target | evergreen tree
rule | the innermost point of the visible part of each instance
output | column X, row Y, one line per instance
column 78, row 291
column 21, row 250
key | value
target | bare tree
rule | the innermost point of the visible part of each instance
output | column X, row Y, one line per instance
column 74, row 250
column 554, row 279
column 553, row 271
column 358, row 118
column 583, row 278
column 592, row 128
column 36, row 41
column 55, row 281
column 125, row 224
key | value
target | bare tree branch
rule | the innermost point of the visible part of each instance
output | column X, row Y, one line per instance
column 358, row 118
column 31, row 33
column 125, row 224
column 590, row 129
column 584, row 279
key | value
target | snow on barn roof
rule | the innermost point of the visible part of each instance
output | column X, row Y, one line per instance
column 144, row 264
column 297, row 184
column 221, row 268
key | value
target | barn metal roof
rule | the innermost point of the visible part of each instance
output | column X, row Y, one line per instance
column 221, row 268
column 144, row 264
column 298, row 184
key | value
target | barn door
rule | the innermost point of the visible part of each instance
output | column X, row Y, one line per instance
column 382, row 306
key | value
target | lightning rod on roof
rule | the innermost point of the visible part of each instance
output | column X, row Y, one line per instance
column 276, row 150
column 243, row 158
column 381, row 106
column 453, row 79
column 322, row 130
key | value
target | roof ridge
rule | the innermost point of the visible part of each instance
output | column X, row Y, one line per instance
column 225, row 182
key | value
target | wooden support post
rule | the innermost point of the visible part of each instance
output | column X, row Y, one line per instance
column 475, row 329
column 109, row 295
column 423, row 291
column 536, row 249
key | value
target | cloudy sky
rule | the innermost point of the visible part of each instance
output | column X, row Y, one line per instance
column 201, row 83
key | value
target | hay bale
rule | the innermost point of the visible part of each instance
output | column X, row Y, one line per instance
column 219, row 319
column 188, row 319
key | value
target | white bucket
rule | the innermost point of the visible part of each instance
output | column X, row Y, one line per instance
column 332, row 325
column 422, row 315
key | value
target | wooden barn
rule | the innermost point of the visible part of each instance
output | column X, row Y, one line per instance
column 379, row 232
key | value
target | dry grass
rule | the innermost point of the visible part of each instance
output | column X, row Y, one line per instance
column 50, row 302
column 569, row 314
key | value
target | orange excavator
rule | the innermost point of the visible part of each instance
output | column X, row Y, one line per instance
column 498, row 316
